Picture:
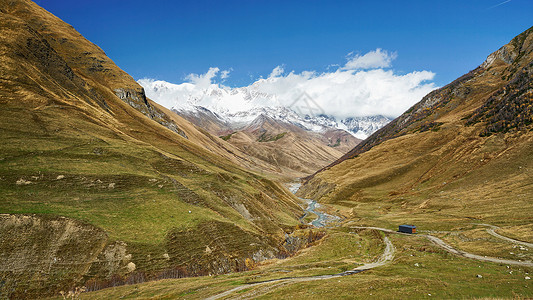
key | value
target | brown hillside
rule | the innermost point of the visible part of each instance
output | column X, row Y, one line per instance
column 278, row 147
column 288, row 148
column 102, row 186
column 500, row 90
column 464, row 152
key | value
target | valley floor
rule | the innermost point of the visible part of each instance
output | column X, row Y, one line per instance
column 352, row 261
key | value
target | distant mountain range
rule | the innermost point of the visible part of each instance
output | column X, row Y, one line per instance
column 280, row 138
column 236, row 107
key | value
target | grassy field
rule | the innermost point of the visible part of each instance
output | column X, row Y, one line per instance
column 480, row 242
column 110, row 183
column 419, row 270
column 146, row 195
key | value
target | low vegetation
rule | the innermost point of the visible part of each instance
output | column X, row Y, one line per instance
column 419, row 270
column 337, row 143
column 101, row 190
column 510, row 107
column 227, row 137
column 263, row 138
column 101, row 187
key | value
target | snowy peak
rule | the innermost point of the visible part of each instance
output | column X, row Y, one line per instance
column 217, row 98
column 280, row 114
column 363, row 127
column 360, row 127
column 234, row 108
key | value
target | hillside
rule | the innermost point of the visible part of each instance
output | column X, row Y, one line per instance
column 290, row 148
column 463, row 153
column 280, row 146
column 100, row 186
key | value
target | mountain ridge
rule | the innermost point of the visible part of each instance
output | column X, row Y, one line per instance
column 414, row 119
column 248, row 103
column 463, row 152
column 100, row 186
column 272, row 136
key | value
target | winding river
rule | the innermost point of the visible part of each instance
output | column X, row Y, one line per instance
column 322, row 219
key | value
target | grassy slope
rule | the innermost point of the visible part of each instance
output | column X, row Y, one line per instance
column 446, row 175
column 201, row 136
column 62, row 134
column 419, row 268
column 279, row 147
column 443, row 179
column 77, row 150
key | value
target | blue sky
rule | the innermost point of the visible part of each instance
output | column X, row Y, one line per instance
column 168, row 40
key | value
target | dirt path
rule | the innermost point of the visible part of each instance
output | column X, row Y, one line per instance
column 263, row 287
column 495, row 234
column 450, row 249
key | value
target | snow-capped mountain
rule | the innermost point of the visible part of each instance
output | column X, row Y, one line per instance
column 236, row 107
column 219, row 99
column 362, row 127
column 282, row 114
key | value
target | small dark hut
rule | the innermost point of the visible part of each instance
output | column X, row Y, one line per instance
column 407, row 229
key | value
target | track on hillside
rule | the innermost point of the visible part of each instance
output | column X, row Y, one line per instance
column 437, row 241
column 264, row 287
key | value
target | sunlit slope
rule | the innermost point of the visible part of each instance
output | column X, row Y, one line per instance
column 463, row 153
column 277, row 146
column 213, row 143
column 288, row 148
column 102, row 186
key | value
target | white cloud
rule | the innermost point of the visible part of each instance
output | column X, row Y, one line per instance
column 362, row 87
column 374, row 59
column 277, row 72
column 203, row 80
column 225, row 74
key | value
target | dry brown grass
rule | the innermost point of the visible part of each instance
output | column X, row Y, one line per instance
column 124, row 165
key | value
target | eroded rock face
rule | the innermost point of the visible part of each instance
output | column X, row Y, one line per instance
column 136, row 98
column 40, row 254
column 114, row 260
column 224, row 248
column 503, row 53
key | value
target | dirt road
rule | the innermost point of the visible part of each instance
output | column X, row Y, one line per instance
column 450, row 249
column 263, row 287
column 491, row 231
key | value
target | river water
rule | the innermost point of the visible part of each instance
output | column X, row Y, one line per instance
column 322, row 219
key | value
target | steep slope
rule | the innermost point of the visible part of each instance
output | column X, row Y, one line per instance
column 279, row 145
column 200, row 131
column 100, row 186
column 291, row 149
column 464, row 152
